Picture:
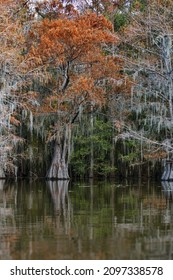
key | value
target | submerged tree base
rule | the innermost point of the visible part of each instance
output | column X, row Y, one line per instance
column 58, row 172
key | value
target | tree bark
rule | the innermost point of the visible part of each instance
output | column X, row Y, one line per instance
column 59, row 165
column 168, row 171
column 2, row 174
column 91, row 173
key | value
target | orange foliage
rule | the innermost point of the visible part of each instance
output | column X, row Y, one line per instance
column 14, row 121
column 78, row 53
column 66, row 40
column 155, row 155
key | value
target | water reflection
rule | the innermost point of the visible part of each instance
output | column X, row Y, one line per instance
column 61, row 203
column 59, row 192
column 60, row 220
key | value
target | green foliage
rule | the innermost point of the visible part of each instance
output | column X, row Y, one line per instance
column 99, row 137
column 104, row 168
column 139, row 4
column 128, row 151
column 132, row 156
column 120, row 21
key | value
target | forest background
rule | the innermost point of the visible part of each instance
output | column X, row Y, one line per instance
column 86, row 88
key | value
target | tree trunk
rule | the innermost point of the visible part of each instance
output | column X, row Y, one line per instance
column 2, row 174
column 167, row 58
column 91, row 173
column 59, row 165
column 2, row 184
column 168, row 171
column 112, row 154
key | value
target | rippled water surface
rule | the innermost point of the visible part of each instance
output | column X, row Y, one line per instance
column 62, row 220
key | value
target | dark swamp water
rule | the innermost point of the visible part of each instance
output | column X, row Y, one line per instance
column 103, row 220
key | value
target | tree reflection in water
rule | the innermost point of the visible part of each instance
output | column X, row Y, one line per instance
column 59, row 193
column 54, row 220
column 61, row 202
